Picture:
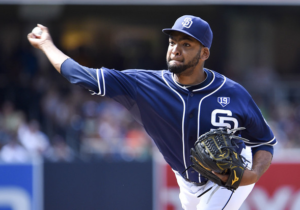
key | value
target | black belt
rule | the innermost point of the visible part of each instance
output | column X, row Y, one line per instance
column 195, row 183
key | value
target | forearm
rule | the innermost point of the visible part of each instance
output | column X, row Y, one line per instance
column 261, row 162
column 55, row 56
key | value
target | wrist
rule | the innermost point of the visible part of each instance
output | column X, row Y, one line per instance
column 47, row 44
column 249, row 177
column 254, row 176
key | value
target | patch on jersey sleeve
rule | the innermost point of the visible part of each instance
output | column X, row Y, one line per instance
column 224, row 101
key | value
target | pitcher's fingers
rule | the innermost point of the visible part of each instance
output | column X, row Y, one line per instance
column 44, row 28
column 32, row 39
column 224, row 178
column 31, row 36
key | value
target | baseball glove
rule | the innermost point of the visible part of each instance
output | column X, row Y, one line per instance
column 214, row 151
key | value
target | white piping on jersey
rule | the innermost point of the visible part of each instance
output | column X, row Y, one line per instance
column 176, row 83
column 199, row 108
column 262, row 143
column 103, row 82
column 185, row 87
column 93, row 92
column 183, row 114
column 208, row 84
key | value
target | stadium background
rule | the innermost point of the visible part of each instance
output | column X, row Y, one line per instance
column 66, row 149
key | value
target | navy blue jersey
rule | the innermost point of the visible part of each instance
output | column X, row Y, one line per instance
column 174, row 115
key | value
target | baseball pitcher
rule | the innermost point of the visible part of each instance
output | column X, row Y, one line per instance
column 207, row 127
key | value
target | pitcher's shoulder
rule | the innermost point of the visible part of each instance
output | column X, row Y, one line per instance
column 231, row 85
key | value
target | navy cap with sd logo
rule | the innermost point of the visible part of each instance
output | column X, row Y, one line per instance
column 194, row 27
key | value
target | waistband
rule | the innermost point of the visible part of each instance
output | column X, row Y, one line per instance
column 187, row 180
column 195, row 183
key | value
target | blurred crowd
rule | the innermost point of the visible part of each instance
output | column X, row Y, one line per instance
column 99, row 130
column 42, row 115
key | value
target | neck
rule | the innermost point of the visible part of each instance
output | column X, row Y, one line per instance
column 191, row 77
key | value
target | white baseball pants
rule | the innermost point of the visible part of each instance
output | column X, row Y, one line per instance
column 217, row 198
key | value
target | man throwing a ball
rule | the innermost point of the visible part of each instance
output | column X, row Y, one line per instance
column 178, row 105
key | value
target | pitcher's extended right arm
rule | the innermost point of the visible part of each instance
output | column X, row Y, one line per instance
column 72, row 71
column 45, row 43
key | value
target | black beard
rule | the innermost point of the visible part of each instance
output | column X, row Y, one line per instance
column 177, row 69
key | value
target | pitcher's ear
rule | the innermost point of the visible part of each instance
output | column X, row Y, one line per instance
column 205, row 53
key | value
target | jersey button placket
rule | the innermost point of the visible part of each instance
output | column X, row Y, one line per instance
column 191, row 114
column 190, row 124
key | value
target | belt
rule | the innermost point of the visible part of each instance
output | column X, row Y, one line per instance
column 195, row 183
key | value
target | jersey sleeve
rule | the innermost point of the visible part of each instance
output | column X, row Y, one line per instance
column 79, row 75
column 257, row 130
column 118, row 85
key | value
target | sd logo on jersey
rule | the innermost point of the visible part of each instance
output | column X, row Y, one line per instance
column 224, row 101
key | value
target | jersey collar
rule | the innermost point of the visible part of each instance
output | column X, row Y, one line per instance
column 208, row 80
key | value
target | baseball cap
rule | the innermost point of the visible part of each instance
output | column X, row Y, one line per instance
column 194, row 27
